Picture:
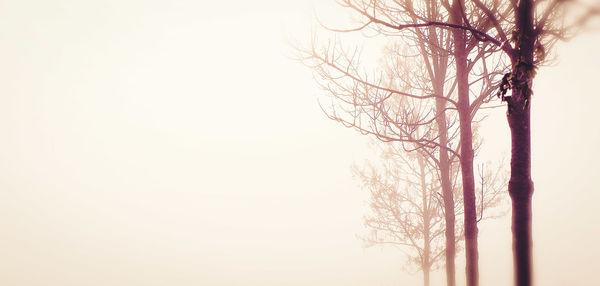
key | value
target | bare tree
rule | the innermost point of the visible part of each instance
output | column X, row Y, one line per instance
column 534, row 27
column 524, row 31
column 407, row 211
column 406, row 204
column 368, row 102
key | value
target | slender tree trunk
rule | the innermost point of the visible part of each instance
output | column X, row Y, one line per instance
column 447, row 194
column 468, row 180
column 520, row 186
column 466, row 147
column 436, row 62
column 426, row 276
column 426, row 261
column 437, row 65
column 427, row 213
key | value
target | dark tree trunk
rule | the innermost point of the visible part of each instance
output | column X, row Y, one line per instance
column 520, row 186
column 466, row 147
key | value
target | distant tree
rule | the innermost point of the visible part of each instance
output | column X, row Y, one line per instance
column 369, row 103
column 407, row 209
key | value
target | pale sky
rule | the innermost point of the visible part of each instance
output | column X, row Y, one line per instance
column 174, row 143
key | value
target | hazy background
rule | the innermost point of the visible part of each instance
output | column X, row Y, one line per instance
column 173, row 143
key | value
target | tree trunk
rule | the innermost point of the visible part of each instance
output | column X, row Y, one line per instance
column 437, row 66
column 520, row 186
column 447, row 193
column 468, row 181
column 466, row 147
column 427, row 212
column 426, row 276
column 436, row 61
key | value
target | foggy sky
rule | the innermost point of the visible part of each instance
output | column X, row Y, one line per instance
column 174, row 143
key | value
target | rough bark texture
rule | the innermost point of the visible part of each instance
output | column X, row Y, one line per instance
column 520, row 185
column 466, row 147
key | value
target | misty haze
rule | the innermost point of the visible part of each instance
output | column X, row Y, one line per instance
column 299, row 142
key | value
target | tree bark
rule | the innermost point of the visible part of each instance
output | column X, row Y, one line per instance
column 466, row 147
column 520, row 186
